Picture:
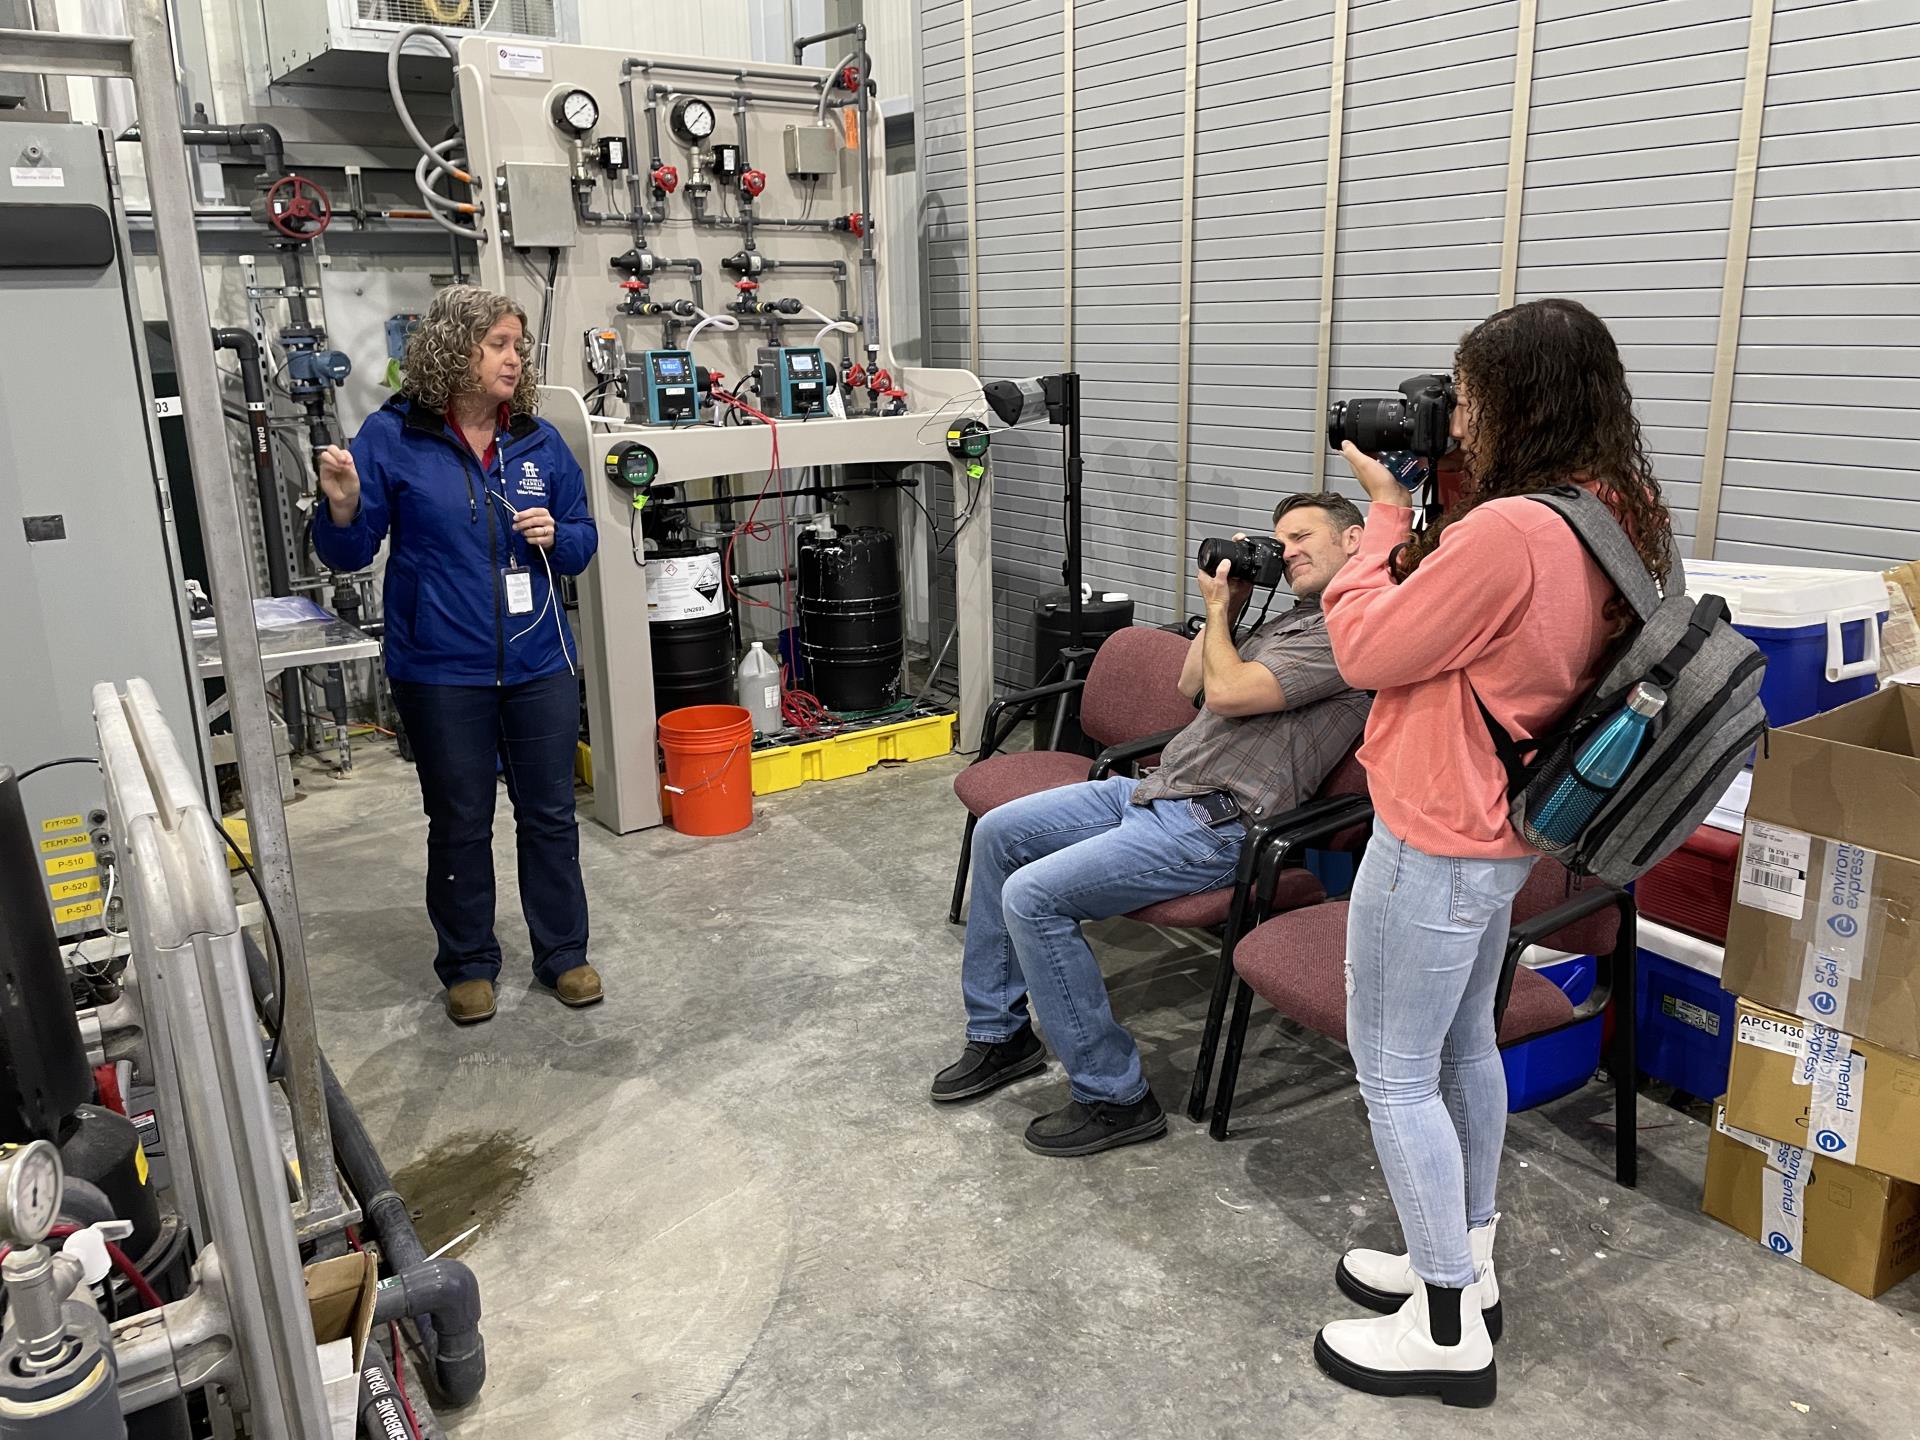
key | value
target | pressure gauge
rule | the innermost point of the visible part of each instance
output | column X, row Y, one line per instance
column 632, row 464
column 30, row 1182
column 575, row 112
column 691, row 120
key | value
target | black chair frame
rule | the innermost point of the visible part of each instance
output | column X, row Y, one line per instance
column 1003, row 714
column 1271, row 846
column 1615, row 978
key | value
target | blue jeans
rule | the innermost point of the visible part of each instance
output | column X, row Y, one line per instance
column 464, row 737
column 1041, row 865
column 1425, row 939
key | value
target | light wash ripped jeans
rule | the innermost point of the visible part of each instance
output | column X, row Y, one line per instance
column 1425, row 938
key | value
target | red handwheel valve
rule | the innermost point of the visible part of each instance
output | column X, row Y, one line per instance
column 298, row 208
column 854, row 224
column 752, row 183
column 848, row 79
column 879, row 381
column 856, row 375
column 666, row 179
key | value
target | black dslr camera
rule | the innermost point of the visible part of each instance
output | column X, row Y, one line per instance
column 1258, row 562
column 1417, row 422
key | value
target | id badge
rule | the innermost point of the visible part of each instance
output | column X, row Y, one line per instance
column 519, row 590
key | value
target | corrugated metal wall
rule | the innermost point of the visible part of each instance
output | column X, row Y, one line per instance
column 1627, row 203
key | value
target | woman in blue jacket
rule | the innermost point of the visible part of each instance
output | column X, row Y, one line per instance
column 484, row 506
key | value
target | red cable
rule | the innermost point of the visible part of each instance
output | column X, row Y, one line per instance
column 148, row 1295
column 400, row 1380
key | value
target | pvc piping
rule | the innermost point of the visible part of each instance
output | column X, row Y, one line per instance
column 1330, row 232
column 827, row 89
column 1517, row 128
column 1733, row 287
column 1183, row 405
column 400, row 101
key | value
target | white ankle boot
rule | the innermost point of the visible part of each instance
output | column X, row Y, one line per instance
column 1397, row 1354
column 1382, row 1282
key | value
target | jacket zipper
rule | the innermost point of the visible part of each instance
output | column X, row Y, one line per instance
column 1632, row 797
column 1745, row 742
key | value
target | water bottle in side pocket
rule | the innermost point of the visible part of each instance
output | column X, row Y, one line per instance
column 1597, row 769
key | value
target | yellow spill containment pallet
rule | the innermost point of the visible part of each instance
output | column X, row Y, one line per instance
column 785, row 767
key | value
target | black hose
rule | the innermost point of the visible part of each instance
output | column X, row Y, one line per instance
column 444, row 1295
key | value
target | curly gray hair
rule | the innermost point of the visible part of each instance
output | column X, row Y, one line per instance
column 441, row 350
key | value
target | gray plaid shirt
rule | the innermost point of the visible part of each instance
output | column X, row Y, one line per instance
column 1273, row 762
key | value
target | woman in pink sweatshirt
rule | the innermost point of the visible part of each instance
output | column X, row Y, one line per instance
column 1496, row 600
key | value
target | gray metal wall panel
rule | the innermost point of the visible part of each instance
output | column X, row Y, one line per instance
column 1821, row 465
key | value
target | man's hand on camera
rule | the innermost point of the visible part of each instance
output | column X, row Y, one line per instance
column 1221, row 591
column 1378, row 481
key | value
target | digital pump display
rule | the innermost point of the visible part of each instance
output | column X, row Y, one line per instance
column 803, row 363
column 671, row 369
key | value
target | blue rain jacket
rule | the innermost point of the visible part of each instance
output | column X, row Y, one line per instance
column 453, row 543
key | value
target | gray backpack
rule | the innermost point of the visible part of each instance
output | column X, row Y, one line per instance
column 1697, row 743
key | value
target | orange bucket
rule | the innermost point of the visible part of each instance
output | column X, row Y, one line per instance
column 709, row 752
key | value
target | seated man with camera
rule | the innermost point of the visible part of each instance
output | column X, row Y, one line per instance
column 1275, row 718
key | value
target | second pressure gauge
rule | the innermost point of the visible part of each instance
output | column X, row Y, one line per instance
column 691, row 120
column 575, row 112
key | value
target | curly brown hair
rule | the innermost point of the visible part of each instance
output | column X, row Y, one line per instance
column 440, row 352
column 1552, row 407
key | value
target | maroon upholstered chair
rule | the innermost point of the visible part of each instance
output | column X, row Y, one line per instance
column 1297, row 963
column 1335, row 818
column 1130, row 694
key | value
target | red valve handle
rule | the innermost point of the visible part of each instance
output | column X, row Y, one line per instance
column 856, row 376
column 745, row 286
column 753, row 182
column 298, row 208
column 849, row 78
column 856, row 224
column 879, row 380
column 633, row 283
column 666, row 179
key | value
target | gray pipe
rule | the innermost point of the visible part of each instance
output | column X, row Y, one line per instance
column 450, row 1336
column 443, row 1288
column 258, row 137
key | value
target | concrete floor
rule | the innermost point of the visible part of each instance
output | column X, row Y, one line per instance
column 721, row 1204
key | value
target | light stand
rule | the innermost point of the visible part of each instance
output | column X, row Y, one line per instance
column 1056, row 399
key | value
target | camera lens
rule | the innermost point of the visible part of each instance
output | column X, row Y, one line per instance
column 1212, row 552
column 1372, row 425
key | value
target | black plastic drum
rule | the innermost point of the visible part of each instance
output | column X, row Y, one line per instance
column 850, row 626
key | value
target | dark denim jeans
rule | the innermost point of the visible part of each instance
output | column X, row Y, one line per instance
column 464, row 737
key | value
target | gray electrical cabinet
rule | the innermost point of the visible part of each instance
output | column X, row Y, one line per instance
column 89, row 573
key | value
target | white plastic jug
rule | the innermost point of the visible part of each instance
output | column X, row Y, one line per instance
column 760, row 689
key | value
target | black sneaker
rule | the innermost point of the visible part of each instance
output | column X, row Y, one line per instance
column 986, row 1066
column 1088, row 1129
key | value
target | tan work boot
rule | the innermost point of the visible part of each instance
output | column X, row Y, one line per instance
column 579, row 986
column 470, row 1001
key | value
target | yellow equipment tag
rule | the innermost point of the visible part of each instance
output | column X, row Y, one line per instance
column 63, row 822
column 79, row 910
column 71, row 864
column 71, row 889
column 140, row 1161
column 63, row 842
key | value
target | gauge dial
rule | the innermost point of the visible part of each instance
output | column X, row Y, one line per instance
column 691, row 119
column 32, row 1197
column 633, row 465
column 575, row 111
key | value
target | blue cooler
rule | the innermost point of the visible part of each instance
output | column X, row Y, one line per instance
column 1819, row 629
column 1549, row 1066
column 1683, row 1019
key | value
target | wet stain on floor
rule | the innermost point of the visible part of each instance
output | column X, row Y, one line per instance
column 467, row 1180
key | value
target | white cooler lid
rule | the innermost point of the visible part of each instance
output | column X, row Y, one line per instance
column 1785, row 597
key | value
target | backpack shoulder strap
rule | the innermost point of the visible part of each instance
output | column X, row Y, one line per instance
column 1606, row 542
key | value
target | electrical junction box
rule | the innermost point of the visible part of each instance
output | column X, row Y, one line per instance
column 664, row 389
column 536, row 205
column 793, row 379
column 812, row 150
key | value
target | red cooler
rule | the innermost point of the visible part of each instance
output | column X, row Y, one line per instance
column 1692, row 889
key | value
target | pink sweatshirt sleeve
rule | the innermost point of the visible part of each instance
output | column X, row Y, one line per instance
column 1446, row 612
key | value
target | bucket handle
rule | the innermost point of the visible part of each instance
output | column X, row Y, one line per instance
column 718, row 772
column 1838, row 668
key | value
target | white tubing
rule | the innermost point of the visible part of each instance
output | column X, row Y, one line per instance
column 725, row 322
column 845, row 327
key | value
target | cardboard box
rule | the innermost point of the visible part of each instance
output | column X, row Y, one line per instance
column 1809, row 1084
column 340, row 1299
column 1826, row 913
column 1854, row 1226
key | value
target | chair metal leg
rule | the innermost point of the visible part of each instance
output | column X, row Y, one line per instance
column 1210, row 1035
column 1625, row 1060
column 960, row 875
column 1230, row 1061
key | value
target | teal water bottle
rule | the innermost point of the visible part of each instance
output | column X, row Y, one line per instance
column 1597, row 769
